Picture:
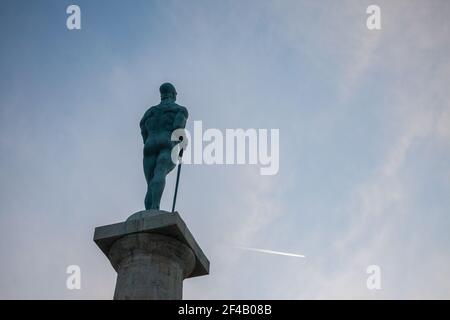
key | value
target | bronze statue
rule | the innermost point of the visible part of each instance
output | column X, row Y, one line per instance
column 157, row 126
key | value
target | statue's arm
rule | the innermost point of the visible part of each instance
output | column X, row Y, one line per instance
column 143, row 127
column 180, row 119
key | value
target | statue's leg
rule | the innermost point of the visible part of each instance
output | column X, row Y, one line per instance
column 149, row 167
column 163, row 166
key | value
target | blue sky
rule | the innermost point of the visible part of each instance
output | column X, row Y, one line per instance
column 364, row 120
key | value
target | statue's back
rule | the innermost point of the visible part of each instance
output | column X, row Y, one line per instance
column 161, row 117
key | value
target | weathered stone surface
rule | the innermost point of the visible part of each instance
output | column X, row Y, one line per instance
column 150, row 267
column 152, row 252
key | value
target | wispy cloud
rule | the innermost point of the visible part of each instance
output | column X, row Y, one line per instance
column 71, row 159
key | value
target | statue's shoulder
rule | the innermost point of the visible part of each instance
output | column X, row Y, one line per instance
column 182, row 109
column 150, row 111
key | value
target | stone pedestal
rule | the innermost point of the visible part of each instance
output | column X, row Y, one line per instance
column 152, row 252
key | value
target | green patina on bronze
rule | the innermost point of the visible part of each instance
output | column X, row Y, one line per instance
column 157, row 126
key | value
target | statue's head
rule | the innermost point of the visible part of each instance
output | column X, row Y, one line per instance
column 168, row 92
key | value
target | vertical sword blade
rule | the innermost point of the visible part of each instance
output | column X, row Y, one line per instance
column 176, row 187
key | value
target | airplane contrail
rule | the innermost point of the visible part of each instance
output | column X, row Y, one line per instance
column 273, row 252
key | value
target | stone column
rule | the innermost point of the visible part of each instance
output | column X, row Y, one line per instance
column 152, row 252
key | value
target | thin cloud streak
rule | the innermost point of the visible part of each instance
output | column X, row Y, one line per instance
column 273, row 252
